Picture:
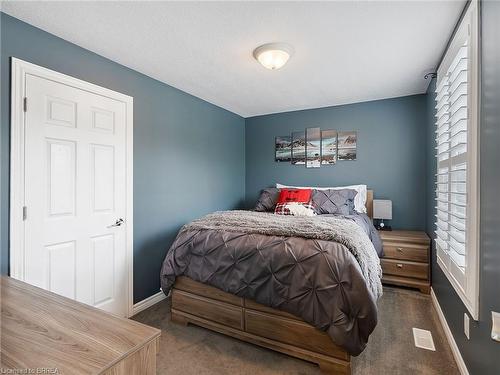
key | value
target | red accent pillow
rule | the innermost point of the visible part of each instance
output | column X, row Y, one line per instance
column 295, row 195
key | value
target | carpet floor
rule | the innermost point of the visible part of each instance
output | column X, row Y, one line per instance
column 194, row 350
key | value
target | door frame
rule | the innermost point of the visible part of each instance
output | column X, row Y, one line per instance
column 19, row 70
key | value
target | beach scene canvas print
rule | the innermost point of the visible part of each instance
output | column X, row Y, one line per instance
column 299, row 148
column 347, row 143
column 313, row 147
column 328, row 147
column 283, row 148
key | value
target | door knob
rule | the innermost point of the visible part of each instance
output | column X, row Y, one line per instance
column 117, row 223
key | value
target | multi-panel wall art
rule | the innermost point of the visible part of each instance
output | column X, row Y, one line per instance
column 315, row 147
column 299, row 148
column 283, row 149
column 328, row 147
column 347, row 145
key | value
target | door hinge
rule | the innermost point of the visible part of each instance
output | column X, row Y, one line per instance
column 25, row 104
column 25, row 213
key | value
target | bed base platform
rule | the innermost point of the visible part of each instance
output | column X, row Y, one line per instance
column 246, row 320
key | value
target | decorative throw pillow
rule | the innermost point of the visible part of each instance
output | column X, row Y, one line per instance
column 339, row 202
column 295, row 202
column 295, row 209
column 295, row 195
column 359, row 201
column 267, row 200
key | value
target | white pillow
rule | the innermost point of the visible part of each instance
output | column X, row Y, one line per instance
column 298, row 209
column 359, row 199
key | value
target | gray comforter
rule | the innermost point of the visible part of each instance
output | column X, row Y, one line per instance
column 323, row 269
column 367, row 225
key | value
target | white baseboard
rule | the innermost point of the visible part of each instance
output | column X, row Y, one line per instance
column 148, row 302
column 451, row 340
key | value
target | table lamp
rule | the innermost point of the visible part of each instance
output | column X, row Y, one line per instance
column 382, row 210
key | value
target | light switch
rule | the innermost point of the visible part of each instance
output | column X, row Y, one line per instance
column 467, row 326
column 495, row 327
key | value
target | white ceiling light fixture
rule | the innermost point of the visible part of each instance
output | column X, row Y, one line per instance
column 273, row 55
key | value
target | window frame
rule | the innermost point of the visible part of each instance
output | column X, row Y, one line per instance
column 468, row 29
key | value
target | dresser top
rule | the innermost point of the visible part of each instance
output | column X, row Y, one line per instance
column 43, row 330
column 404, row 235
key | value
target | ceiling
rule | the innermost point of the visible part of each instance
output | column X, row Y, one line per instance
column 345, row 52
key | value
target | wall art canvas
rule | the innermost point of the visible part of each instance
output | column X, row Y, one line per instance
column 313, row 147
column 299, row 148
column 347, row 142
column 283, row 148
column 328, row 147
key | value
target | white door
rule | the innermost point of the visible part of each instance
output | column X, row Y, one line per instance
column 75, row 191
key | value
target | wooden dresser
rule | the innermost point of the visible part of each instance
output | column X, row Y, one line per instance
column 45, row 333
column 406, row 259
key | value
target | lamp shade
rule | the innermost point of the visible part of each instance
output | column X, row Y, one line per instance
column 382, row 209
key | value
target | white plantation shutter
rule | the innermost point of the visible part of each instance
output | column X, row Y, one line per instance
column 451, row 195
column 456, row 153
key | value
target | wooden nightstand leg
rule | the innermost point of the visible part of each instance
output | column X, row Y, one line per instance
column 425, row 289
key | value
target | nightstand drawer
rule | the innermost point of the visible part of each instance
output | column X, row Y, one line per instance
column 413, row 252
column 405, row 268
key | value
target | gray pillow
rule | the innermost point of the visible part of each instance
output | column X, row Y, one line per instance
column 267, row 200
column 330, row 201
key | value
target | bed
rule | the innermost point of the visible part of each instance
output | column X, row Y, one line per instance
column 207, row 271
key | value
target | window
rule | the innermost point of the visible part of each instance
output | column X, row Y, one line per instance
column 457, row 191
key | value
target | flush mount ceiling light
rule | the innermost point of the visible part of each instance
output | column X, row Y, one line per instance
column 273, row 55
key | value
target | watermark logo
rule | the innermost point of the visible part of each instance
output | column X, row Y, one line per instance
column 35, row 370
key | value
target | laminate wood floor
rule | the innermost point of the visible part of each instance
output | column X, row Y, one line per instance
column 193, row 350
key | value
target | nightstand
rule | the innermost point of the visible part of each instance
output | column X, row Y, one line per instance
column 406, row 259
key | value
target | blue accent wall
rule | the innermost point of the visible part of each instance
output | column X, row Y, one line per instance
column 391, row 153
column 189, row 155
column 480, row 353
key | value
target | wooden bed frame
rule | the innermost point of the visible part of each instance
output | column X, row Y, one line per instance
column 244, row 319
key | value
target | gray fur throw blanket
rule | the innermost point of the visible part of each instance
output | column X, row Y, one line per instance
column 329, row 228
